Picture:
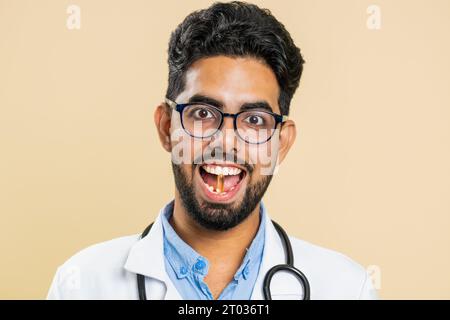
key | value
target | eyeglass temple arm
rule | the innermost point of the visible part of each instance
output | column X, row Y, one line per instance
column 171, row 103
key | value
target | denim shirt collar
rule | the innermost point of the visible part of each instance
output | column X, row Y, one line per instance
column 186, row 261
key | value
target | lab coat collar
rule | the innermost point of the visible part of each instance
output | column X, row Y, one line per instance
column 146, row 257
column 273, row 255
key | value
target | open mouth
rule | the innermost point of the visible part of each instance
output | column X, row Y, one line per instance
column 221, row 182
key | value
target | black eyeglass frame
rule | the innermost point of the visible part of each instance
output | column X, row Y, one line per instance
column 179, row 107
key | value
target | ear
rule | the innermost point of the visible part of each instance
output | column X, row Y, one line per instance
column 288, row 133
column 162, row 117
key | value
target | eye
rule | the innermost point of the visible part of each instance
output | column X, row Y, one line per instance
column 255, row 120
column 202, row 113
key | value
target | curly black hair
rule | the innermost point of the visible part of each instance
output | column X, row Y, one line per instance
column 235, row 29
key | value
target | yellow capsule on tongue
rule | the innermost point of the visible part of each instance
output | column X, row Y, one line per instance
column 219, row 186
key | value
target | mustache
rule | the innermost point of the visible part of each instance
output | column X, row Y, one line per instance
column 231, row 158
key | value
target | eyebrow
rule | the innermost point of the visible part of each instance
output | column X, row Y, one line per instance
column 244, row 107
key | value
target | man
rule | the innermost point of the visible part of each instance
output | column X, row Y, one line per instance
column 233, row 69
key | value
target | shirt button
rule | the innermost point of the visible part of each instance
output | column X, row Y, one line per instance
column 199, row 265
column 183, row 270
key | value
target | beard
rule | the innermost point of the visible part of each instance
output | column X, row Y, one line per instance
column 218, row 216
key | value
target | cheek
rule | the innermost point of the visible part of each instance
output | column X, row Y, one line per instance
column 188, row 172
column 264, row 156
column 184, row 147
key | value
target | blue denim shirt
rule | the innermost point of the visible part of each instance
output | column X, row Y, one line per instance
column 186, row 268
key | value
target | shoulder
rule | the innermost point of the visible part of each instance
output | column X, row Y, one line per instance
column 325, row 258
column 109, row 253
column 332, row 275
column 80, row 275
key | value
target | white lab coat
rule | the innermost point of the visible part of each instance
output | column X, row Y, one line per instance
column 108, row 271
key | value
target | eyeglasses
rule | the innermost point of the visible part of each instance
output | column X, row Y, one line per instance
column 201, row 120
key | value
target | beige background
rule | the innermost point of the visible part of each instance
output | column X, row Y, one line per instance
column 369, row 175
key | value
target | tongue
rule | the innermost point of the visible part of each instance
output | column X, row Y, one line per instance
column 228, row 181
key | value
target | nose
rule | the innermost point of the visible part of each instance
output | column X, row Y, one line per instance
column 226, row 138
column 231, row 138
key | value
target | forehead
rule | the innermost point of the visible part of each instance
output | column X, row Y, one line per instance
column 233, row 81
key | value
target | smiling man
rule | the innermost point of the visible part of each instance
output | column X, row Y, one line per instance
column 233, row 70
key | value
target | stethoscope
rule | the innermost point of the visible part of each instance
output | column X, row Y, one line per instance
column 289, row 266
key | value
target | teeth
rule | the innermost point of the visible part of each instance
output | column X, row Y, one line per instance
column 226, row 171
column 211, row 188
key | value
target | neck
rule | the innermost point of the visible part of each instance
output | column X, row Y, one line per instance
column 216, row 246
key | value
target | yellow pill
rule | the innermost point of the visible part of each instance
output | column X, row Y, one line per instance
column 219, row 186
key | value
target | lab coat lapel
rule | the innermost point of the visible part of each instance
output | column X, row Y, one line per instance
column 146, row 257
